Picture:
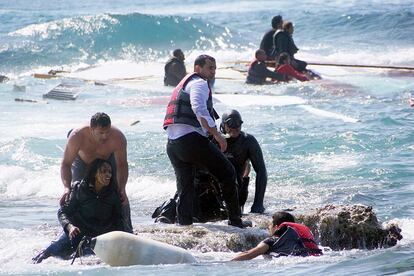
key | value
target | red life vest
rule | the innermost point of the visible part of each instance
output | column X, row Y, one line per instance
column 179, row 108
column 305, row 235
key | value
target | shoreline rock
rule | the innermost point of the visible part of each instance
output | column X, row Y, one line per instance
column 338, row 227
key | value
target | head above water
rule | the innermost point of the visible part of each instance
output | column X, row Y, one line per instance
column 205, row 66
column 277, row 21
column 281, row 217
column 101, row 127
column 260, row 55
column 284, row 58
column 288, row 27
column 231, row 122
column 179, row 54
column 99, row 173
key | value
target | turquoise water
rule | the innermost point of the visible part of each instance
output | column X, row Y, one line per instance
column 345, row 140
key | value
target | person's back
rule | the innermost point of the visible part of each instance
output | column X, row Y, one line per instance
column 175, row 69
column 267, row 41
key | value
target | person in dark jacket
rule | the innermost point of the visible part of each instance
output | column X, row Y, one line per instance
column 243, row 149
column 283, row 42
column 287, row 239
column 258, row 71
column 93, row 208
column 175, row 69
column 267, row 41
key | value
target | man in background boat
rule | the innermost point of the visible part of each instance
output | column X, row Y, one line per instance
column 189, row 119
column 258, row 71
column 283, row 43
column 98, row 140
column 175, row 69
column 267, row 41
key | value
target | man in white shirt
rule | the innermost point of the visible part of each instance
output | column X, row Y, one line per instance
column 189, row 120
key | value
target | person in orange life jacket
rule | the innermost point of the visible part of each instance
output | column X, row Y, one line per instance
column 93, row 208
column 175, row 69
column 258, row 71
column 283, row 42
column 267, row 41
column 287, row 238
column 242, row 148
column 189, row 119
column 284, row 66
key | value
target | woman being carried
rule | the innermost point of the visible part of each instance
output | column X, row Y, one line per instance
column 93, row 208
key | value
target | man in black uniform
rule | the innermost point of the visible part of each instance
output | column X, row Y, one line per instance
column 267, row 41
column 175, row 69
column 242, row 148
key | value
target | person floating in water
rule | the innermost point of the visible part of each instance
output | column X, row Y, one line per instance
column 97, row 140
column 258, row 71
column 93, row 208
column 267, row 41
column 287, row 239
column 175, row 69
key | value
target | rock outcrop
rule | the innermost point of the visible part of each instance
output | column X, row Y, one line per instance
column 335, row 226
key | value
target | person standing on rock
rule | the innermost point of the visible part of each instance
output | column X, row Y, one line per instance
column 189, row 119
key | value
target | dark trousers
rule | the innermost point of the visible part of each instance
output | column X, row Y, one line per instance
column 79, row 170
column 186, row 154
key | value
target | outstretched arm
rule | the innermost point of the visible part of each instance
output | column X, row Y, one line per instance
column 256, row 158
column 260, row 249
column 70, row 153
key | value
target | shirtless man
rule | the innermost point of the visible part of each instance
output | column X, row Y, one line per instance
column 98, row 140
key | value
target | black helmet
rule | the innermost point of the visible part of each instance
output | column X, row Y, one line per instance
column 232, row 119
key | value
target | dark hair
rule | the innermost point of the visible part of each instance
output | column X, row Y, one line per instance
column 100, row 119
column 258, row 52
column 177, row 52
column 201, row 60
column 93, row 169
column 276, row 20
column 282, row 216
column 287, row 25
column 283, row 57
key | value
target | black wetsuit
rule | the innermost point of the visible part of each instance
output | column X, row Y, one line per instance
column 174, row 71
column 79, row 170
column 258, row 73
column 239, row 150
column 283, row 43
column 267, row 43
column 94, row 213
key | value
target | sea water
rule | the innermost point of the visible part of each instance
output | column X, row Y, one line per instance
column 347, row 139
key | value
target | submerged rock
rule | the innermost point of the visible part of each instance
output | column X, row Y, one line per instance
column 336, row 226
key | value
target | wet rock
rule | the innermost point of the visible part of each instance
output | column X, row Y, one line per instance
column 336, row 226
column 347, row 227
